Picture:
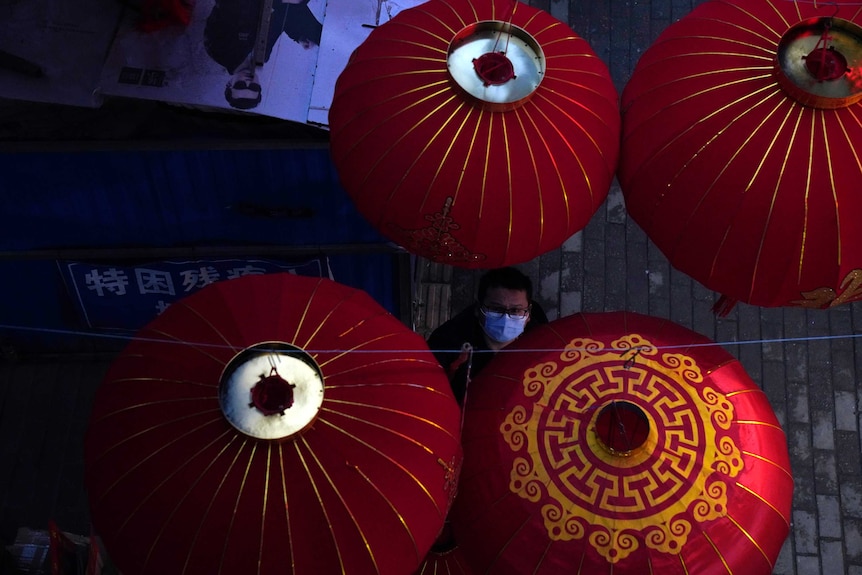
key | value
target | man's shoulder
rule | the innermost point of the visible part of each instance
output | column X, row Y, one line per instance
column 537, row 314
column 459, row 327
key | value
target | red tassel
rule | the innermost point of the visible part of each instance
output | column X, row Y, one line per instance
column 724, row 305
column 158, row 14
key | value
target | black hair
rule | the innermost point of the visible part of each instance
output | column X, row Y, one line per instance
column 508, row 278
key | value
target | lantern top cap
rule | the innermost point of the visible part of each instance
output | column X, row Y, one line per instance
column 819, row 62
column 271, row 391
column 496, row 64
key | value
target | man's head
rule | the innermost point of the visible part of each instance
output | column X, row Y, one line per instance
column 508, row 278
column 503, row 308
column 243, row 94
column 243, row 90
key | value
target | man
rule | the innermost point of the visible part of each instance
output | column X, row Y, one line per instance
column 503, row 311
column 231, row 33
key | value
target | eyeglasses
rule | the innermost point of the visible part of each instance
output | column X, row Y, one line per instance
column 497, row 312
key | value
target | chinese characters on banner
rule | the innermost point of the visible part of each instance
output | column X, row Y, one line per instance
column 127, row 297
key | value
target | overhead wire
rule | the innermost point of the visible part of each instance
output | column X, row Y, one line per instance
column 505, row 350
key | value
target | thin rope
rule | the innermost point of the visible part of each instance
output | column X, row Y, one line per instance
column 825, row 4
column 132, row 337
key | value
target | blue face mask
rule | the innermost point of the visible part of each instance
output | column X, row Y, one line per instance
column 502, row 328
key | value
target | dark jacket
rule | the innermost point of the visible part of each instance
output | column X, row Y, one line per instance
column 446, row 341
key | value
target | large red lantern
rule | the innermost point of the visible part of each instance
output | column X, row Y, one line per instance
column 619, row 443
column 476, row 133
column 272, row 424
column 740, row 150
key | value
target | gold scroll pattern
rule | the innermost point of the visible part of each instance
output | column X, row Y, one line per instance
column 452, row 471
column 851, row 289
column 679, row 475
column 436, row 241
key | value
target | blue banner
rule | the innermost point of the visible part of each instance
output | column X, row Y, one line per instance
column 128, row 297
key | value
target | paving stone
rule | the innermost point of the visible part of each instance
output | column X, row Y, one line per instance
column 857, row 348
column 658, row 273
column 840, row 324
column 805, row 532
column 752, row 361
column 832, row 557
column 853, row 540
column 823, row 430
column 845, row 411
column 574, row 244
column 797, row 400
column 804, row 497
column 656, row 258
column 659, row 10
column 796, row 362
column 615, row 206
column 773, row 386
column 635, row 236
column 825, row 472
column 640, row 37
column 579, row 17
column 570, row 302
column 594, row 292
column 843, row 372
column 615, row 274
column 559, row 9
column 799, row 442
column 848, row 455
column 795, row 322
column 659, row 307
column 571, row 272
column 614, row 302
column 599, row 29
column 748, row 318
column 784, row 562
column 680, row 304
column 808, row 565
column 820, row 373
column 548, row 291
column 706, row 298
column 615, row 284
column 703, row 320
column 829, row 516
column 817, row 322
column 725, row 334
column 772, row 332
column 851, row 498
column 540, row 4
column 547, row 283
column 656, row 279
column 637, row 287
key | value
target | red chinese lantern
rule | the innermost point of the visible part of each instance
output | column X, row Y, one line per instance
column 476, row 133
column 740, row 150
column 272, row 424
column 619, row 443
